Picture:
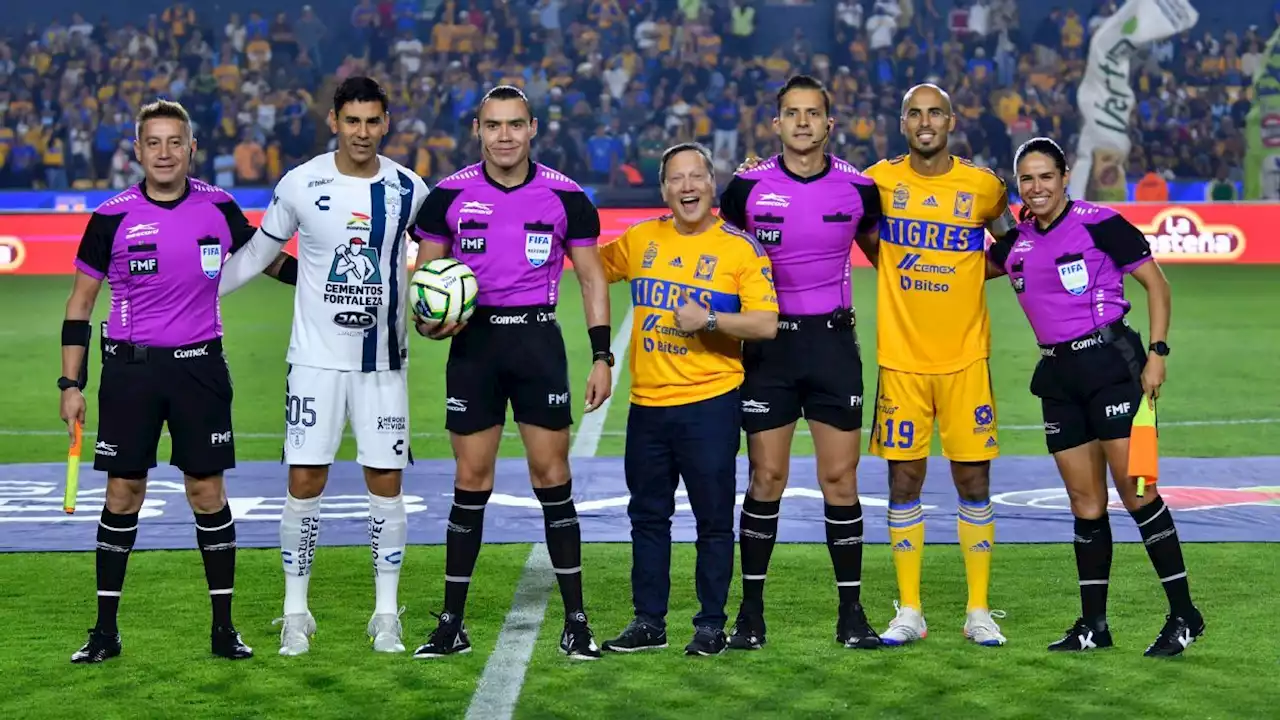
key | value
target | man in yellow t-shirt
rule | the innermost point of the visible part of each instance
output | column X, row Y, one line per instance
column 933, row 340
column 699, row 288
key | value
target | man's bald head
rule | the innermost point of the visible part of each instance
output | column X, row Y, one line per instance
column 926, row 95
column 927, row 120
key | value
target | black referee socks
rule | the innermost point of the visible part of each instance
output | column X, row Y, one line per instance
column 462, row 546
column 216, row 534
column 116, row 535
column 1155, row 522
column 1093, row 566
column 564, row 542
column 757, row 533
column 844, row 543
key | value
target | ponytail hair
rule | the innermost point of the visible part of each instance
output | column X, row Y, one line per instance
column 1045, row 146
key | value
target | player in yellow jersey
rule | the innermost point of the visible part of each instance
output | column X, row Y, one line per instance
column 933, row 339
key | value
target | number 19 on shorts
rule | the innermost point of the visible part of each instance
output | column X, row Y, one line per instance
column 898, row 434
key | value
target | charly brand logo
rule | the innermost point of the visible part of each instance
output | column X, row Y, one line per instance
column 1179, row 233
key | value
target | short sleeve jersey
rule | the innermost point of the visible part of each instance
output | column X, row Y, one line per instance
column 722, row 268
column 163, row 261
column 349, row 307
column 513, row 238
column 1069, row 277
column 807, row 226
column 931, row 301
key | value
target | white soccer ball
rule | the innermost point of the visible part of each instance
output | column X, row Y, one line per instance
column 443, row 290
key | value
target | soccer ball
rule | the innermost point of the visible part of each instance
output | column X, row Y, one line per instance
column 443, row 290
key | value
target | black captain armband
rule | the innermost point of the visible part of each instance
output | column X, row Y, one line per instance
column 76, row 332
column 288, row 271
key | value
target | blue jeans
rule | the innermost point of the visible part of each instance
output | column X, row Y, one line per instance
column 700, row 443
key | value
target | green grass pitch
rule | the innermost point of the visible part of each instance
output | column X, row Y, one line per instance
column 1225, row 338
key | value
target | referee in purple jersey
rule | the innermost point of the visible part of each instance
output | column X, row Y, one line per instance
column 160, row 245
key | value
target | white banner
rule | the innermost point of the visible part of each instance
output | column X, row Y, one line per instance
column 1105, row 95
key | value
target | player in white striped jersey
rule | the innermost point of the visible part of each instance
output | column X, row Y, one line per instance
column 347, row 354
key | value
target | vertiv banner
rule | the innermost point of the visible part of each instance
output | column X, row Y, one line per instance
column 1262, row 128
column 1106, row 98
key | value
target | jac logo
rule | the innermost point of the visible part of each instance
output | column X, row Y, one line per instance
column 1120, row 410
column 354, row 319
column 1180, row 234
column 769, row 236
column 146, row 266
column 472, row 245
column 12, row 253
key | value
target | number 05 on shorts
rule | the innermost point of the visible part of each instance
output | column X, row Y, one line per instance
column 962, row 403
column 319, row 402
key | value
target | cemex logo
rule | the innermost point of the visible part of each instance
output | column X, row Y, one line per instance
column 912, row 262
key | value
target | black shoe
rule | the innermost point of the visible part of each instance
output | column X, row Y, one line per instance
column 1177, row 634
column 853, row 631
column 706, row 641
column 225, row 642
column 639, row 635
column 748, row 631
column 577, row 641
column 449, row 638
column 1081, row 637
column 101, row 646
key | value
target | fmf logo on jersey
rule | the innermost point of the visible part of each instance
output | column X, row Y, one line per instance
column 471, row 245
column 1180, row 232
column 359, row 222
column 911, row 261
column 537, row 248
column 145, row 266
column 769, row 236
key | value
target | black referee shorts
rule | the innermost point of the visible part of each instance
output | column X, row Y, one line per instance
column 1090, row 387
column 142, row 388
column 508, row 354
column 812, row 368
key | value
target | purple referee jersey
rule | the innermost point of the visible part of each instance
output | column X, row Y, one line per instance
column 163, row 261
column 1069, row 277
column 807, row 226
column 513, row 238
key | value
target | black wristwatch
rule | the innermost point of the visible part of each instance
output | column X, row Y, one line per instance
column 607, row 357
column 66, row 383
column 1160, row 348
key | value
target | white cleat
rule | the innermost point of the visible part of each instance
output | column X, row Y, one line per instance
column 982, row 629
column 906, row 627
column 384, row 632
column 295, row 636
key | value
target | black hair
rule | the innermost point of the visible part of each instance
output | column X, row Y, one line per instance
column 161, row 109
column 805, row 82
column 682, row 147
column 359, row 88
column 1044, row 146
column 506, row 92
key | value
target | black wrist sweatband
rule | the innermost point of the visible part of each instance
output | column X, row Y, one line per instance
column 75, row 332
column 288, row 271
column 601, row 336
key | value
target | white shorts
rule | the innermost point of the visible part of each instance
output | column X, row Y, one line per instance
column 319, row 402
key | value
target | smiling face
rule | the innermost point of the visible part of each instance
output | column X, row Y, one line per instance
column 360, row 127
column 1042, row 185
column 506, row 132
column 802, row 122
column 688, row 186
column 927, row 120
column 164, row 147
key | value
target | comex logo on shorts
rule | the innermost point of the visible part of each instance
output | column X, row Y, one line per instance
column 202, row 351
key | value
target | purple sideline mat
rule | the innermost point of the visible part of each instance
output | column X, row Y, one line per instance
column 1216, row 500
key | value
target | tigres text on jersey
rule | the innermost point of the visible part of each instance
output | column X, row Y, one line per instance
column 722, row 268
column 349, row 307
column 930, row 290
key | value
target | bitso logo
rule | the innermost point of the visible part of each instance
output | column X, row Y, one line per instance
column 1180, row 234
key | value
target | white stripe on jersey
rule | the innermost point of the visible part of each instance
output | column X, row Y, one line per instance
column 349, row 308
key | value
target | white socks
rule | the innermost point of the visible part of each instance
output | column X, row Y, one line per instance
column 388, row 533
column 299, row 531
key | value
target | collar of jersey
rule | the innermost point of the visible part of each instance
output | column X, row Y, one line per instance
column 166, row 204
column 533, row 173
column 1066, row 210
column 826, row 168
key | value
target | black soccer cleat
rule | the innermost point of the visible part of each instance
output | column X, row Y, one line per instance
column 101, row 646
column 707, row 641
column 226, row 642
column 853, row 631
column 1081, row 637
column 638, row 635
column 577, row 641
column 748, row 632
column 1177, row 634
column 449, row 638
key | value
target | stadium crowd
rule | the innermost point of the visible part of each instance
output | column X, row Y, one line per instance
column 614, row 82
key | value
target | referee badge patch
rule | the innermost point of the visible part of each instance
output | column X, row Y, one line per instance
column 210, row 259
column 1074, row 276
column 537, row 248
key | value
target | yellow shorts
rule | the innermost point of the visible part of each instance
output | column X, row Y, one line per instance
column 962, row 402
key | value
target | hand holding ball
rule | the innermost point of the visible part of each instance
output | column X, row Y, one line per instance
column 443, row 295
